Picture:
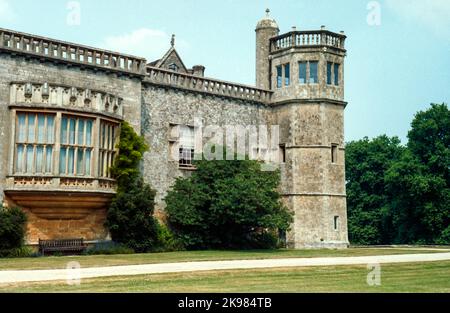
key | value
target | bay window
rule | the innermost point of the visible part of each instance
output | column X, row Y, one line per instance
column 60, row 144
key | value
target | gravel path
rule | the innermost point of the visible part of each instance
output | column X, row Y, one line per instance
column 127, row 270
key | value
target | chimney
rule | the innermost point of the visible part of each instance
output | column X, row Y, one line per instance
column 198, row 70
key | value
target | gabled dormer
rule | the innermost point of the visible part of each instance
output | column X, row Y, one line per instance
column 172, row 61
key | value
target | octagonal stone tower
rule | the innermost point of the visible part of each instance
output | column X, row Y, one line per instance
column 305, row 71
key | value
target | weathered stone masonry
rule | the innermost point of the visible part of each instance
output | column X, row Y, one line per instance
column 58, row 87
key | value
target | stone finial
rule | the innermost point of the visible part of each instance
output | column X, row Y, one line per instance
column 294, row 28
column 322, row 27
column 172, row 41
column 267, row 12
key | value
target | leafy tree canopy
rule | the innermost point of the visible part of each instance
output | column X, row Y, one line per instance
column 12, row 229
column 366, row 163
column 401, row 194
column 227, row 204
column 131, row 151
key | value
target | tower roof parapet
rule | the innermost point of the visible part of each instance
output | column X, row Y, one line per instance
column 309, row 38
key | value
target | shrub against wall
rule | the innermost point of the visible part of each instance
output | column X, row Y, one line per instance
column 227, row 204
column 130, row 216
column 12, row 230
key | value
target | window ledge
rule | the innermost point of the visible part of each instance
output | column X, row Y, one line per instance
column 187, row 168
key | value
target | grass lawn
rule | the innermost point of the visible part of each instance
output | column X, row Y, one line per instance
column 406, row 277
column 185, row 256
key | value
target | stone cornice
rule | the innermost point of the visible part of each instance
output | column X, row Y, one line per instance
column 309, row 101
column 314, row 194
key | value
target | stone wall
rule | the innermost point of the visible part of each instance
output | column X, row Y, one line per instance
column 91, row 227
column 314, row 186
column 163, row 107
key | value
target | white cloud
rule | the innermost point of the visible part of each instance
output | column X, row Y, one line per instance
column 6, row 11
column 144, row 42
column 433, row 14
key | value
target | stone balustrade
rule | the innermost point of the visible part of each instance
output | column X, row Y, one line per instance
column 308, row 39
column 211, row 86
column 55, row 50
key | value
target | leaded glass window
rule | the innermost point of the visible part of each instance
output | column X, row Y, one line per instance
column 75, row 156
column 35, row 139
column 107, row 153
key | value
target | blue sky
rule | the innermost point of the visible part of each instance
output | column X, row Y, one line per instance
column 398, row 62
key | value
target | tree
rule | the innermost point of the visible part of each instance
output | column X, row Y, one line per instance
column 429, row 139
column 400, row 194
column 418, row 185
column 131, row 151
column 366, row 164
column 12, row 229
column 227, row 204
column 130, row 215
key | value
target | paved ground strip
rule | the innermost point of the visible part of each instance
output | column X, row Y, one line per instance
column 17, row 276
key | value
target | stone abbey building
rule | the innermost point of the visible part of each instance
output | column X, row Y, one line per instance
column 61, row 105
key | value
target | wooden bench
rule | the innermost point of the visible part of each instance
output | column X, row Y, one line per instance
column 76, row 245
